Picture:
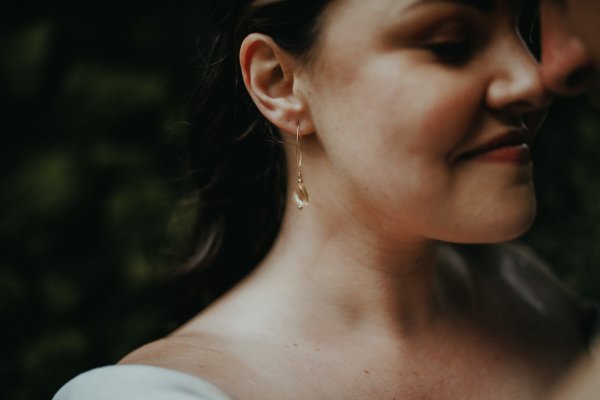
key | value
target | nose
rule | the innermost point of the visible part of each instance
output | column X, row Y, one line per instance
column 516, row 88
column 566, row 67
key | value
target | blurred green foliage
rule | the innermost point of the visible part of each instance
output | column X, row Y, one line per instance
column 94, row 141
column 93, row 181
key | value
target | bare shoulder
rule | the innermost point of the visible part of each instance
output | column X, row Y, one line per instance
column 181, row 352
column 203, row 355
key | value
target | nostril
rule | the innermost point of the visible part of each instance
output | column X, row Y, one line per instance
column 578, row 78
column 575, row 78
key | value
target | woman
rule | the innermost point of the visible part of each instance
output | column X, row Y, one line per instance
column 405, row 126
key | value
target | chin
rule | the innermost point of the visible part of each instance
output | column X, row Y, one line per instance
column 508, row 228
column 497, row 227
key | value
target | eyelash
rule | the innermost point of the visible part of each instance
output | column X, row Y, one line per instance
column 452, row 51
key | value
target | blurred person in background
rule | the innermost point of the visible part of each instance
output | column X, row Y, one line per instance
column 570, row 40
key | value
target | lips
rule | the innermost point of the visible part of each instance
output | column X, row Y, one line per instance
column 510, row 146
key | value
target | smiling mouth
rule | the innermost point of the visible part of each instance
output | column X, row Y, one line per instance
column 511, row 147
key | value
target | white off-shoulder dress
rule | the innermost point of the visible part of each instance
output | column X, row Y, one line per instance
column 137, row 382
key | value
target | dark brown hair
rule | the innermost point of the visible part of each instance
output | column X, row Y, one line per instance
column 237, row 157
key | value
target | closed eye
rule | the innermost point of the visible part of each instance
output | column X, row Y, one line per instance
column 451, row 52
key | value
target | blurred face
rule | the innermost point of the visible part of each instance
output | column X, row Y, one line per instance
column 421, row 109
column 583, row 17
column 570, row 44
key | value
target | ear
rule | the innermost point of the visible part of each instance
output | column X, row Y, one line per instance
column 270, row 75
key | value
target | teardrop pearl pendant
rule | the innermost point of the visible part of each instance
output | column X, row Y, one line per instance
column 301, row 194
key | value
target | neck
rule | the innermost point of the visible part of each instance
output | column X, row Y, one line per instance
column 336, row 269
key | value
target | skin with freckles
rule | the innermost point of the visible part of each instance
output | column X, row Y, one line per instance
column 415, row 118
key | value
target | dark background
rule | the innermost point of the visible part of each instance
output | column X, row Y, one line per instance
column 93, row 190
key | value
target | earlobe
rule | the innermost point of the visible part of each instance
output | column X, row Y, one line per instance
column 269, row 76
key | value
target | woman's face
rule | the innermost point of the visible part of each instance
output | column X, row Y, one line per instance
column 408, row 99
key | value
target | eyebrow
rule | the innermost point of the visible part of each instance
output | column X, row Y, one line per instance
column 484, row 6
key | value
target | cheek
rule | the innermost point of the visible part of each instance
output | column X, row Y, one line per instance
column 388, row 139
column 424, row 119
column 391, row 129
column 448, row 112
column 411, row 109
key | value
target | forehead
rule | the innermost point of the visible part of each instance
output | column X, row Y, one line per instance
column 481, row 5
column 356, row 15
column 355, row 27
column 377, row 12
column 399, row 6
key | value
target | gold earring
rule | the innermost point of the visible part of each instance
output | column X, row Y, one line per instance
column 300, row 194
